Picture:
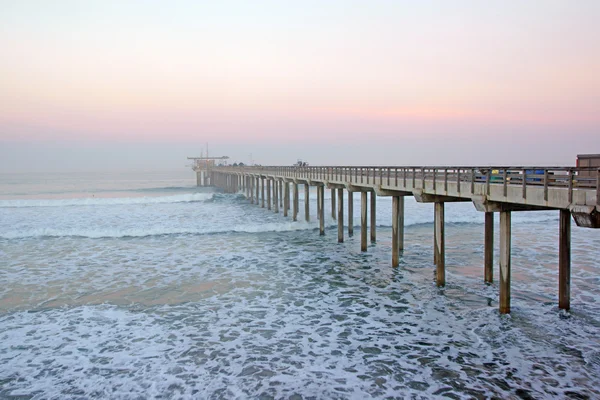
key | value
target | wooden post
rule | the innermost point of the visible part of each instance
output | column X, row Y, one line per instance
column 350, row 214
column 286, row 198
column 440, row 244
column 395, row 218
column 340, row 212
column 333, row 204
column 288, row 195
column 276, row 195
column 306, row 203
column 435, row 245
column 488, row 247
column 505, row 262
column 363, row 221
column 296, row 200
column 321, row 190
column 262, row 192
column 373, row 217
column 268, row 182
column 318, row 203
column 564, row 261
column 257, row 189
column 401, row 223
column 281, row 193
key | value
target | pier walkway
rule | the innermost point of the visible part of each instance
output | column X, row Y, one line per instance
column 575, row 192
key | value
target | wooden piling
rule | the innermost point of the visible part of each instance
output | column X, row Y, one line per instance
column 488, row 246
column 262, row 191
column 340, row 215
column 401, row 223
column 306, row 203
column 564, row 261
column 268, row 182
column 373, row 217
column 333, row 204
column 286, row 198
column 295, row 202
column 280, row 184
column 439, row 250
column 321, row 190
column 276, row 195
column 505, row 262
column 395, row 247
column 363, row 221
column 350, row 214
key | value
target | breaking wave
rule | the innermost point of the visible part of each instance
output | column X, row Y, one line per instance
column 100, row 201
column 98, row 233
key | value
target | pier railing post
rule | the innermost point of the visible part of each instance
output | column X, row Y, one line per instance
column 340, row 215
column 488, row 269
column 505, row 262
column 564, row 261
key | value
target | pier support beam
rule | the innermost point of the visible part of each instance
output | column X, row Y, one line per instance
column 373, row 217
column 340, row 212
column 564, row 260
column 439, row 250
column 504, row 262
column 306, row 203
column 401, row 223
column 252, row 189
column 363, row 221
column 257, row 179
column 321, row 207
column 262, row 192
column 268, row 194
column 350, row 214
column 333, row 204
column 296, row 201
column 280, row 183
column 286, row 198
column 395, row 218
column 276, row 195
column 488, row 246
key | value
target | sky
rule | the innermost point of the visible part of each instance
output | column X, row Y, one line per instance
column 142, row 84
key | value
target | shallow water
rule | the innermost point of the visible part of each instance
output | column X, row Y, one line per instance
column 142, row 285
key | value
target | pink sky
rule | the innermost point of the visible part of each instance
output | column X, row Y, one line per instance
column 264, row 73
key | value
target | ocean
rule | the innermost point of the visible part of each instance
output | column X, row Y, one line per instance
column 142, row 285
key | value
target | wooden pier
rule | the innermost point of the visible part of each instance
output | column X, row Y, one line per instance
column 573, row 191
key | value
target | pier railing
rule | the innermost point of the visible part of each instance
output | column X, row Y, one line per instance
column 569, row 178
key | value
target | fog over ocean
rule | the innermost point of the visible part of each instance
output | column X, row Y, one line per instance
column 142, row 285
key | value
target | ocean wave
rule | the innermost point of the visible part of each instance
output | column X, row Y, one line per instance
column 101, row 201
column 99, row 233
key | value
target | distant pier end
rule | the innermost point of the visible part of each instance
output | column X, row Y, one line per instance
column 203, row 167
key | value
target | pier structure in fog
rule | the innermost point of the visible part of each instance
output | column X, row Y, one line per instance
column 575, row 192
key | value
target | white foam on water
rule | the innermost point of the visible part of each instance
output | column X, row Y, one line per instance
column 106, row 201
column 262, row 306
